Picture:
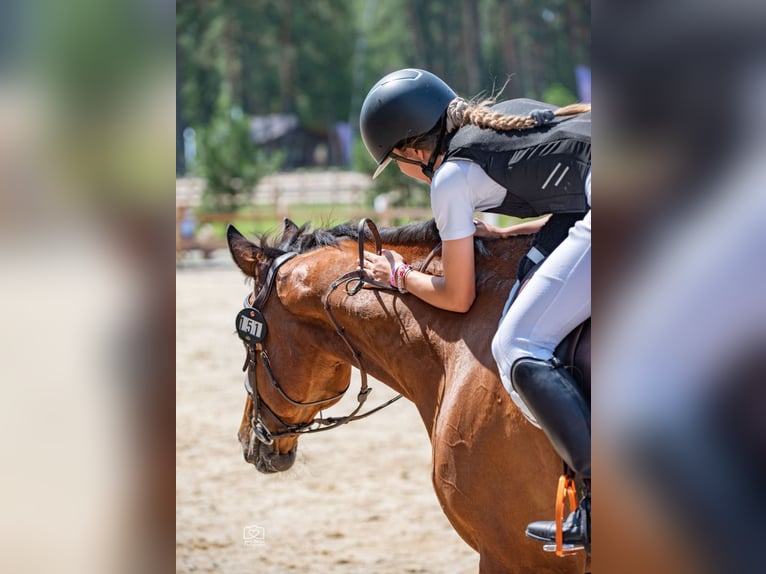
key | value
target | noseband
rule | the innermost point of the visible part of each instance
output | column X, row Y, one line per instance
column 252, row 329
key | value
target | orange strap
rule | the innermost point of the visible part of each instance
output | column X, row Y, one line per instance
column 566, row 489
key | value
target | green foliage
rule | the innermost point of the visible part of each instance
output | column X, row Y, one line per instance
column 402, row 191
column 317, row 59
column 229, row 159
column 558, row 95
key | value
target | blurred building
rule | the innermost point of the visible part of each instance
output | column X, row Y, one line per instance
column 303, row 147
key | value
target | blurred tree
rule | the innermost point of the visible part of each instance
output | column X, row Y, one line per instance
column 472, row 58
column 198, row 77
column 558, row 95
column 401, row 190
column 324, row 39
column 318, row 59
column 503, row 39
column 229, row 159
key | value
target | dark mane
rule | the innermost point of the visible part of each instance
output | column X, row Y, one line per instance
column 305, row 239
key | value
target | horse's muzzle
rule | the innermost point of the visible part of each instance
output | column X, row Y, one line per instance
column 265, row 457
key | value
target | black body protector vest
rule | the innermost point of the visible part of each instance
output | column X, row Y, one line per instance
column 542, row 169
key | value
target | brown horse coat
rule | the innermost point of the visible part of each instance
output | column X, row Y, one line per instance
column 493, row 472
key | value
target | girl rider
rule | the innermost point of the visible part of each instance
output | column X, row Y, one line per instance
column 521, row 158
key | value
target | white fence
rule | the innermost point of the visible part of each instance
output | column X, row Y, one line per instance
column 285, row 189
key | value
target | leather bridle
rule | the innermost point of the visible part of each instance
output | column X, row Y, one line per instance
column 353, row 283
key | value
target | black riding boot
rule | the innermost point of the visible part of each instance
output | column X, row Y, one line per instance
column 575, row 529
column 564, row 416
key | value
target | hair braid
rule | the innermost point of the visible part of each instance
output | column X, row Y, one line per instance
column 461, row 112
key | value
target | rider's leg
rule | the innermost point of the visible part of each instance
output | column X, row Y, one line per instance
column 552, row 395
column 555, row 301
column 559, row 407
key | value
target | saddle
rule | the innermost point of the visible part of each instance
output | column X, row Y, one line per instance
column 574, row 353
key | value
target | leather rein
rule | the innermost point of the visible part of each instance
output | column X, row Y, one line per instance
column 251, row 327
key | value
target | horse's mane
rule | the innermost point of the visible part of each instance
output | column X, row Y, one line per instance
column 304, row 239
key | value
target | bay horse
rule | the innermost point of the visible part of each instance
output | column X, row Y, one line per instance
column 493, row 471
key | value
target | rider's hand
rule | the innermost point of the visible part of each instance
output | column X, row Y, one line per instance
column 487, row 230
column 379, row 266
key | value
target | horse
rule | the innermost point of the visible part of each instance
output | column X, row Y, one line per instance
column 308, row 321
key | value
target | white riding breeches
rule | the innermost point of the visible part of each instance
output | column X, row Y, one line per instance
column 555, row 300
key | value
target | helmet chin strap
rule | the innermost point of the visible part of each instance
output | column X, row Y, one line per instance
column 428, row 169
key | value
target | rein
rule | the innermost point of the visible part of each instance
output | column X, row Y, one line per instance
column 252, row 329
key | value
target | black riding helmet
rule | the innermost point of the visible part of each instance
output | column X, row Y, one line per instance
column 402, row 105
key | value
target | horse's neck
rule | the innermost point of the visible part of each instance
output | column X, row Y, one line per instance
column 411, row 346
column 396, row 340
column 399, row 350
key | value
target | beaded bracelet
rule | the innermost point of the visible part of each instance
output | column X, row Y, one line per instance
column 392, row 279
column 401, row 272
column 404, row 277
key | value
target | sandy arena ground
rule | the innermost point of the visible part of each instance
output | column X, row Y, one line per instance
column 358, row 500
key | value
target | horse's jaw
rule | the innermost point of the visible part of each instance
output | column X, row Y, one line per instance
column 265, row 458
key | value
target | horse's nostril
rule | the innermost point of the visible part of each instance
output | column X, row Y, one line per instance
column 271, row 462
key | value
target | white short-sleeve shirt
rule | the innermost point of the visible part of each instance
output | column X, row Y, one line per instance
column 459, row 188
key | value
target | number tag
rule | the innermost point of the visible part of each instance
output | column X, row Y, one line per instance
column 251, row 326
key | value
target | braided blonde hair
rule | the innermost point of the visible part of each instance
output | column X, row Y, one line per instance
column 461, row 112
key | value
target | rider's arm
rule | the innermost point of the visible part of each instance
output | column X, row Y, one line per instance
column 484, row 229
column 456, row 289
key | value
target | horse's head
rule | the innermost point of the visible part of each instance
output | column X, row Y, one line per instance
column 289, row 378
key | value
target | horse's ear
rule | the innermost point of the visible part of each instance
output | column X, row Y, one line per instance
column 246, row 255
column 289, row 231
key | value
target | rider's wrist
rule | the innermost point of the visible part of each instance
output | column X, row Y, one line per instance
column 398, row 276
column 406, row 272
column 392, row 278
